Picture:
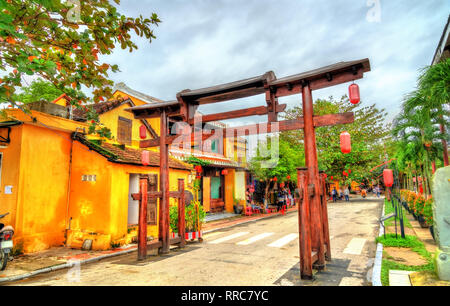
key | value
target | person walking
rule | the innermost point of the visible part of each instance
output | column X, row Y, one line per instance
column 378, row 191
column 334, row 194
column 347, row 194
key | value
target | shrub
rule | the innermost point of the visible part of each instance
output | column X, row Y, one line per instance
column 190, row 217
column 419, row 204
column 427, row 211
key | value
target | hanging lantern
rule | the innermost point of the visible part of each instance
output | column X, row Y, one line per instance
column 198, row 168
column 346, row 143
column 345, row 173
column 145, row 157
column 353, row 93
column 224, row 172
column 143, row 132
column 331, row 177
column 288, row 177
column 388, row 177
column 275, row 179
column 349, row 171
column 281, row 185
column 326, row 175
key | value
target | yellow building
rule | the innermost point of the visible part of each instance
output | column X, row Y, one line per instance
column 224, row 179
column 64, row 187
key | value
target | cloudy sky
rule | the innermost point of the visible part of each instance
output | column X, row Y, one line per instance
column 201, row 43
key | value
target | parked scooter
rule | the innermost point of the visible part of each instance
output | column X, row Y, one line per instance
column 6, row 243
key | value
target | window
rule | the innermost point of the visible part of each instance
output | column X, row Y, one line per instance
column 124, row 130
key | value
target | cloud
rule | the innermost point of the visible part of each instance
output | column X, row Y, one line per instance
column 202, row 43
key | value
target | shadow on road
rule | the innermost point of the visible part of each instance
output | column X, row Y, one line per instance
column 336, row 270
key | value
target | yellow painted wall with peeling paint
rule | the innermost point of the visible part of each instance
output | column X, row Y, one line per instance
column 37, row 164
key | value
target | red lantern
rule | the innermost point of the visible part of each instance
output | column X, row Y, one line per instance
column 331, row 177
column 145, row 157
column 288, row 177
column 349, row 171
column 325, row 175
column 275, row 179
column 346, row 143
column 224, row 172
column 353, row 92
column 198, row 168
column 345, row 173
column 388, row 177
column 143, row 132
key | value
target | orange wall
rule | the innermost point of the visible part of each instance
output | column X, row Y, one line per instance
column 9, row 176
column 99, row 209
column 40, row 184
column 206, row 193
column 229, row 190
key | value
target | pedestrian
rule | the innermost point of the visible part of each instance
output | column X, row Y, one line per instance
column 334, row 194
column 378, row 191
column 347, row 194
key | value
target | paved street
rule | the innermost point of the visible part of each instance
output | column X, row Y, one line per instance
column 264, row 252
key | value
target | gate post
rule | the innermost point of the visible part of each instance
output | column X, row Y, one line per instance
column 304, row 225
column 143, row 202
column 164, row 217
column 181, row 214
column 326, row 229
column 317, row 240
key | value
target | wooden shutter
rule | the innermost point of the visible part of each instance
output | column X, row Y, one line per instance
column 152, row 211
column 124, row 130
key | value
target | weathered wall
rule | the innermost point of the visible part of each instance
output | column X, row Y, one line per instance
column 99, row 210
column 9, row 176
column 43, row 186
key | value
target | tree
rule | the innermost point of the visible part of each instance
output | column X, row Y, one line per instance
column 417, row 129
column 276, row 161
column 61, row 42
column 369, row 133
column 37, row 91
column 434, row 84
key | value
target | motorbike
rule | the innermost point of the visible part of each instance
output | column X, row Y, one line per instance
column 6, row 243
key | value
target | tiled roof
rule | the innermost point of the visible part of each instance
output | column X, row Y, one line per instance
column 100, row 108
column 212, row 158
column 126, row 155
column 137, row 94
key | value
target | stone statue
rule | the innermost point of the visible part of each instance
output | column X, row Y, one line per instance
column 441, row 212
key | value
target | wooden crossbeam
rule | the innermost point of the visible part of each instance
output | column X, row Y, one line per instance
column 254, row 129
column 253, row 111
column 157, row 195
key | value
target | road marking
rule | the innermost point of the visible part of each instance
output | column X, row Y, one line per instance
column 209, row 235
column 255, row 238
column 282, row 241
column 351, row 281
column 355, row 246
column 226, row 238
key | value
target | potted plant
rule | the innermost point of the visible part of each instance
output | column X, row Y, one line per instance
column 238, row 208
column 418, row 210
column 194, row 217
column 428, row 215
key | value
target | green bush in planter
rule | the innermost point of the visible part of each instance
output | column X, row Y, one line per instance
column 190, row 217
column 428, row 211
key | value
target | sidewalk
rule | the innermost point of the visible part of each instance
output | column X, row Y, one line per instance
column 57, row 258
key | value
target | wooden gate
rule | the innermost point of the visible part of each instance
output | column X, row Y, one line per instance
column 313, row 220
column 147, row 197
